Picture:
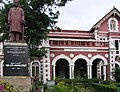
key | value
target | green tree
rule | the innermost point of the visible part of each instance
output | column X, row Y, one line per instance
column 116, row 74
column 39, row 16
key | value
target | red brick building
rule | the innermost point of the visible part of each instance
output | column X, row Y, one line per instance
column 93, row 53
column 76, row 53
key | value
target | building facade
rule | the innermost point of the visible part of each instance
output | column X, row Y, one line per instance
column 77, row 53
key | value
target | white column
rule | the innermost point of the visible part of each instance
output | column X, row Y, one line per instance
column 2, row 69
column 90, row 71
column 100, row 71
column 54, row 72
column 104, row 72
column 39, row 72
column 70, row 71
column 31, row 70
column 46, row 61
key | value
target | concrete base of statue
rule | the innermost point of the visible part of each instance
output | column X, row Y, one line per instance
column 21, row 83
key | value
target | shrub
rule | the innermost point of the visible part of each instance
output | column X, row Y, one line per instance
column 36, row 86
column 62, row 87
column 105, row 87
column 116, row 74
column 7, row 86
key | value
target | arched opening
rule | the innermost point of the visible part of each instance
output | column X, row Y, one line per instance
column 35, row 69
column 80, row 68
column 112, row 25
column 98, row 69
column 62, row 68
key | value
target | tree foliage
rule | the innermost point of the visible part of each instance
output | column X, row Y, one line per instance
column 39, row 16
column 116, row 74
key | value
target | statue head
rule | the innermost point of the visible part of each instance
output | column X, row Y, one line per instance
column 16, row 3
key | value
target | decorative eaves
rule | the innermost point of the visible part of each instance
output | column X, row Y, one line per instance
column 114, row 12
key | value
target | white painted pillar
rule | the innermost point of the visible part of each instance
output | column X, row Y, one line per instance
column 54, row 72
column 111, row 56
column 70, row 71
column 39, row 72
column 100, row 73
column 90, row 71
column 31, row 70
column 46, row 61
column 2, row 69
column 104, row 67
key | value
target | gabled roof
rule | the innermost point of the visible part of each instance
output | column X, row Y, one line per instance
column 114, row 12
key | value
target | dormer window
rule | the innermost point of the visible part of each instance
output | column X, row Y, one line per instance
column 113, row 24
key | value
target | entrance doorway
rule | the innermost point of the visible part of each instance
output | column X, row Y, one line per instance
column 98, row 69
column 80, row 68
column 62, row 68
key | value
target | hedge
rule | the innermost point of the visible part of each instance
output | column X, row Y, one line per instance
column 105, row 87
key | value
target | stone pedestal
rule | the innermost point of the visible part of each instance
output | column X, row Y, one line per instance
column 16, row 58
column 15, row 69
column 22, row 83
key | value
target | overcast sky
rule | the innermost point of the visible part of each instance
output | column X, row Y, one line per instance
column 83, row 14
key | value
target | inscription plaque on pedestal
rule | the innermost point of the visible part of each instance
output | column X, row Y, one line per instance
column 16, row 59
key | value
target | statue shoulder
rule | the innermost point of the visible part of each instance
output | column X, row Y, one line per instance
column 20, row 8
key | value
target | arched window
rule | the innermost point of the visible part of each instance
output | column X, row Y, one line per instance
column 112, row 25
column 35, row 69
